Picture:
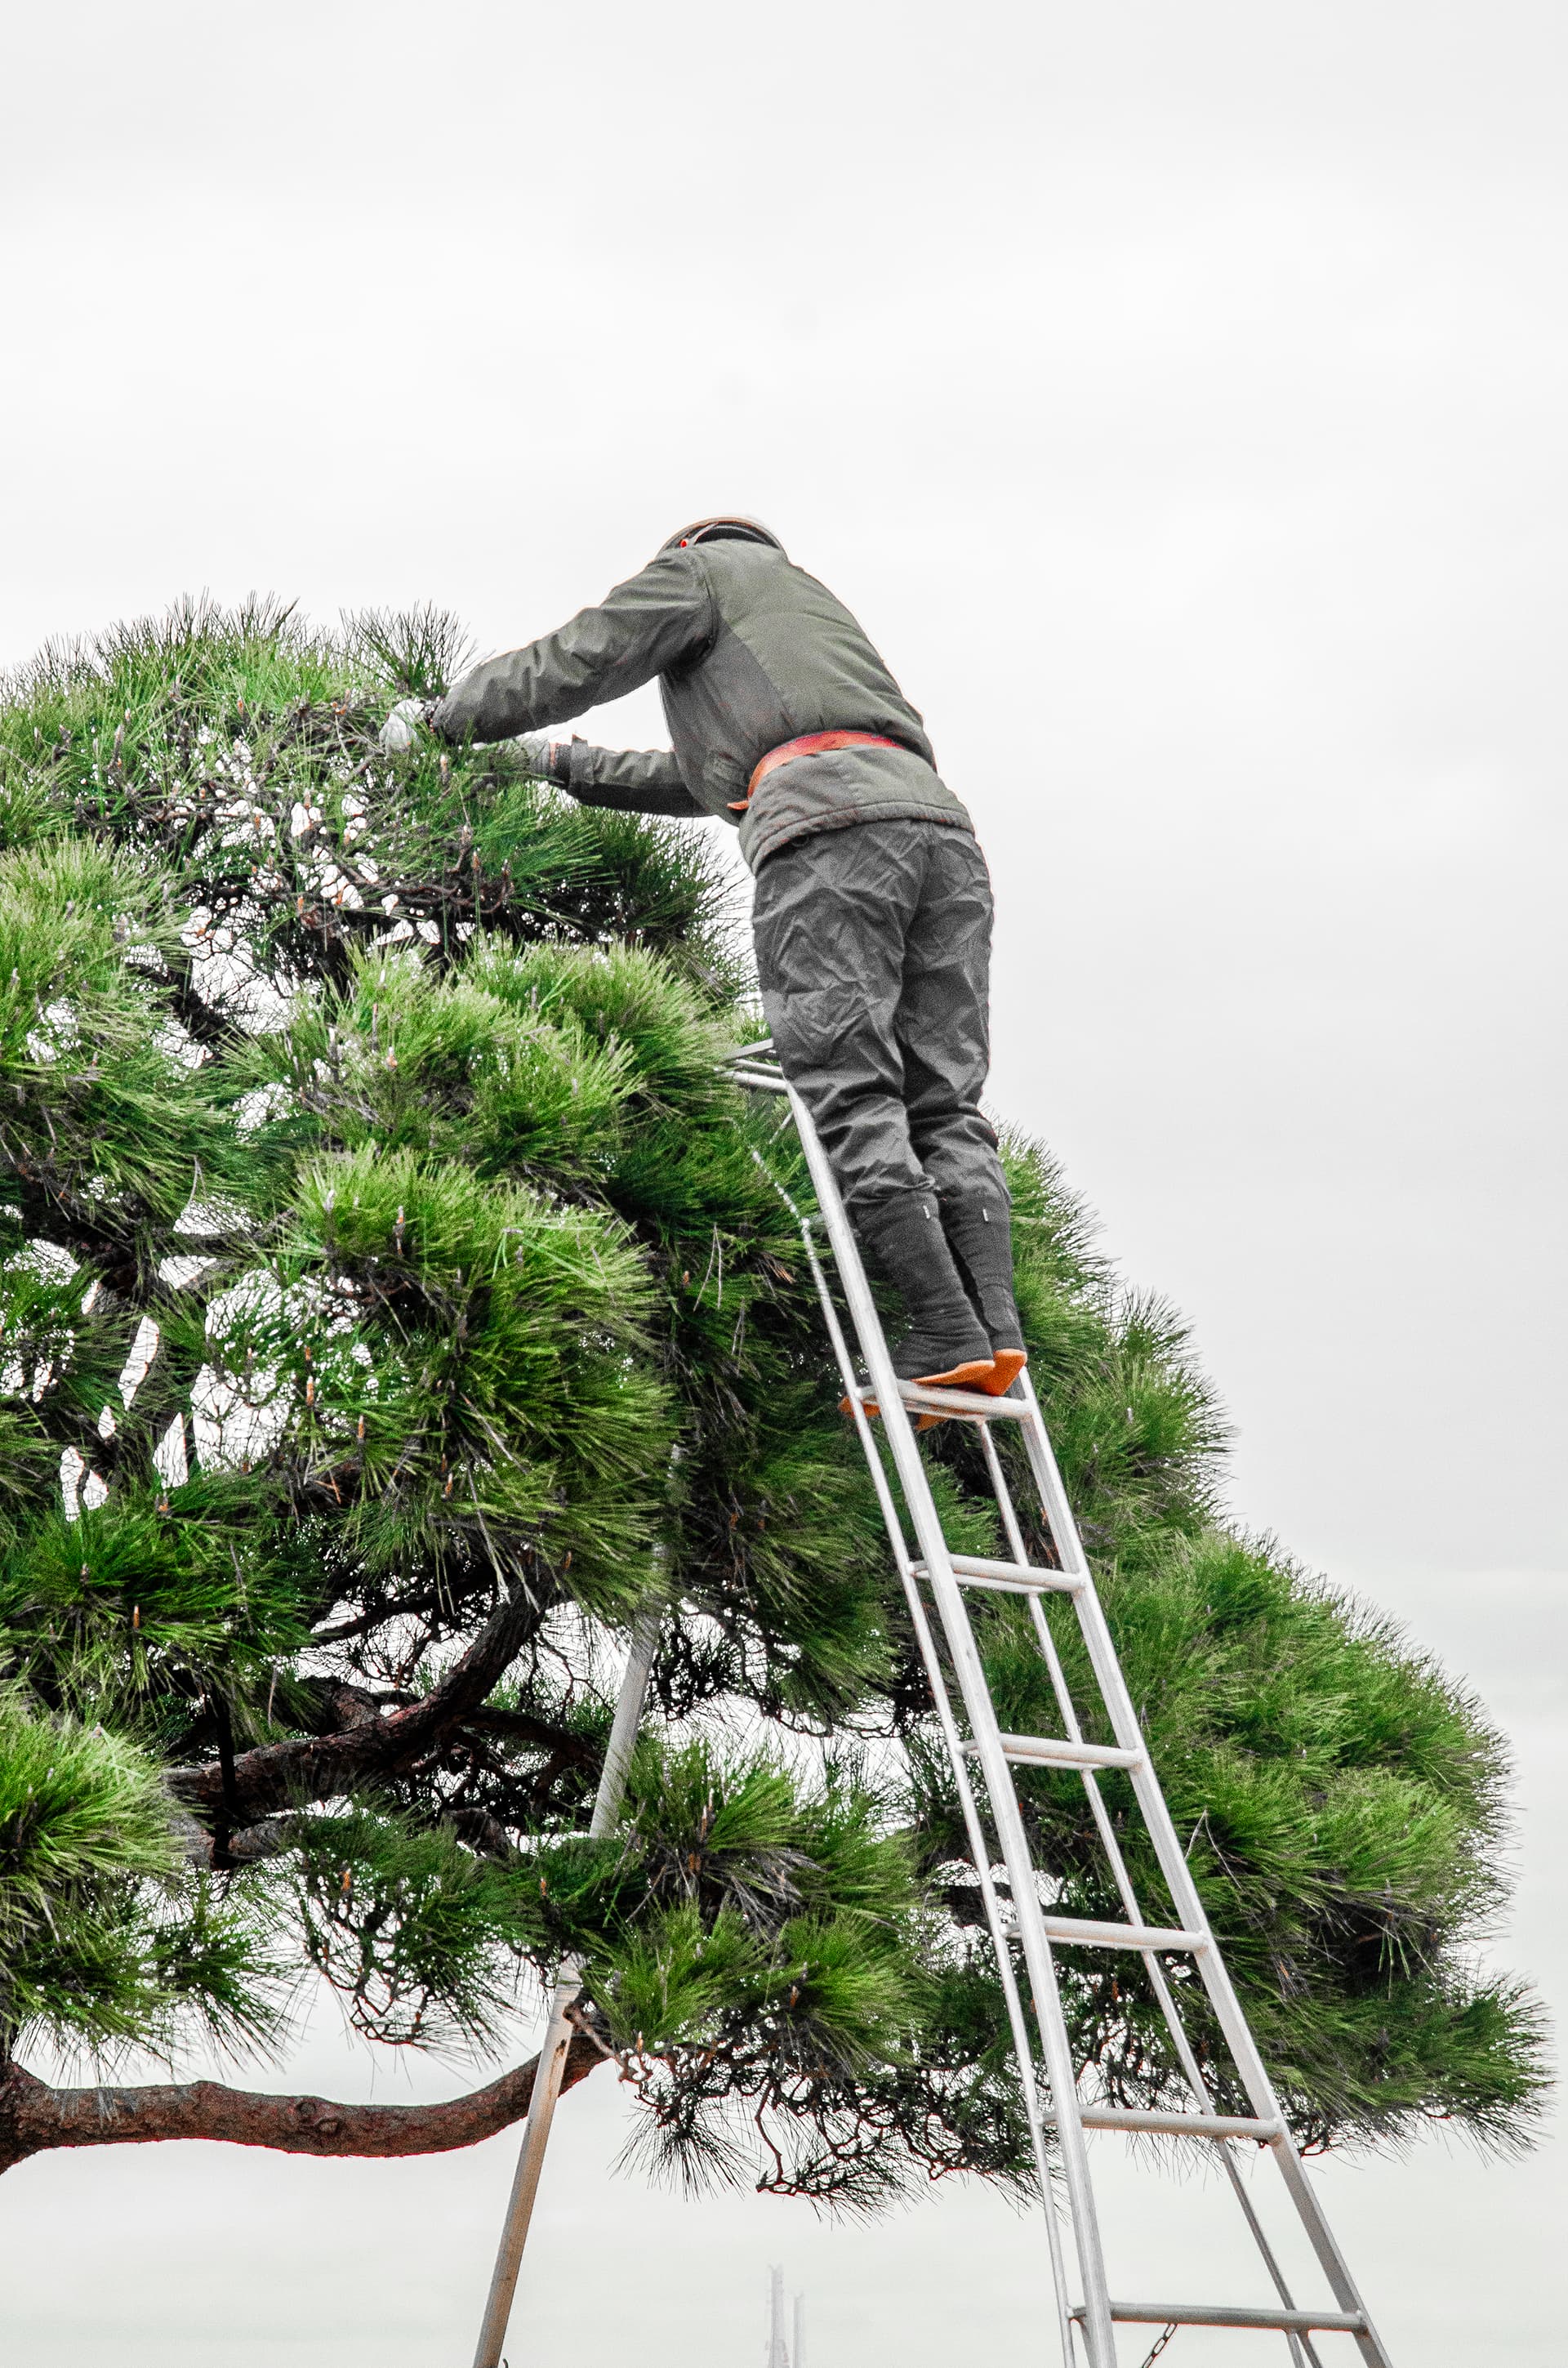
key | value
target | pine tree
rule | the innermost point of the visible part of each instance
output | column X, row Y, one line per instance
column 393, row 1293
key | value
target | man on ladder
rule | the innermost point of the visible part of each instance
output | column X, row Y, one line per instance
column 872, row 913
column 873, row 921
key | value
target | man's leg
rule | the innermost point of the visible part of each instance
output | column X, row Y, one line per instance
column 830, row 920
column 830, row 917
column 944, row 1036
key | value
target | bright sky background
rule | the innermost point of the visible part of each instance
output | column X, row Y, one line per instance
column 1177, row 393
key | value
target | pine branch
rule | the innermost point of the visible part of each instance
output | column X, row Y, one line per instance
column 317, row 1768
column 36, row 2119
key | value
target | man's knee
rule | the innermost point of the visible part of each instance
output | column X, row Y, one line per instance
column 964, row 1159
column 842, row 1034
column 868, row 1145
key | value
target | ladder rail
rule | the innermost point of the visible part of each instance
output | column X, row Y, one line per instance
column 974, row 1832
column 1098, row 2333
column 1301, row 2346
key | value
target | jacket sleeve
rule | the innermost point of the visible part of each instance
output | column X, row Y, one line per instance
column 632, row 780
column 656, row 622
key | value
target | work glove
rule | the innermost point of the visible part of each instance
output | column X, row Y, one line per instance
column 397, row 731
column 548, row 758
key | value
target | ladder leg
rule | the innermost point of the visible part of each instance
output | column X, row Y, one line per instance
column 974, row 1833
column 1302, row 2348
column 1099, row 2334
column 558, row 2032
column 526, row 2179
column 1178, row 1876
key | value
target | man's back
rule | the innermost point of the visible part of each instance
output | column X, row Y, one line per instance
column 783, row 658
column 752, row 653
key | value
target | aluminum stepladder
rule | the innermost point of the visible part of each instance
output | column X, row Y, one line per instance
column 1087, row 2320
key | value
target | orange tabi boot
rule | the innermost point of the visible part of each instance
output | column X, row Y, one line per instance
column 979, row 1233
column 945, row 1346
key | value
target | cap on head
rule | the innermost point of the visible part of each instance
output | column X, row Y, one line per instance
column 721, row 529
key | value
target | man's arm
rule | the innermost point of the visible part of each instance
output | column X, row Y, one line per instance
column 663, row 618
column 632, row 780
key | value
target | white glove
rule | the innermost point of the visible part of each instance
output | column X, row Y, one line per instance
column 397, row 731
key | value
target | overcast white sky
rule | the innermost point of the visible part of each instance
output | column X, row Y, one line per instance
column 1176, row 392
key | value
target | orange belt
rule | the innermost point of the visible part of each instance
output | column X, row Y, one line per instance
column 808, row 745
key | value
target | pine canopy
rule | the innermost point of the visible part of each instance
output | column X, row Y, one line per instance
column 392, row 1293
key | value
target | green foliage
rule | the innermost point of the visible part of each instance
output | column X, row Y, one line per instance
column 103, row 1942
column 394, row 1291
column 1342, row 1804
column 415, row 1932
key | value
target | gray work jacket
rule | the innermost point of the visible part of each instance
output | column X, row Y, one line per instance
column 750, row 652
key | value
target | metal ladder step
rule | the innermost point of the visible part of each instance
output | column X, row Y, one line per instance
column 1080, row 1932
column 1219, row 2314
column 1084, row 1932
column 1009, row 1578
column 1055, row 1751
column 1218, row 2126
column 960, row 1405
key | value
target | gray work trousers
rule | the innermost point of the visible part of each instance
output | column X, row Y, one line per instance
column 873, row 948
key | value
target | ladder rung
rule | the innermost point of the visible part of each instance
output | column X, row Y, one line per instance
column 1219, row 2314
column 1007, row 1578
column 963, row 1406
column 769, row 1081
column 1080, row 1932
column 1046, row 1751
column 1178, row 2125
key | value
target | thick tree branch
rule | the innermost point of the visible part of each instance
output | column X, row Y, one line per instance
column 35, row 2118
column 281, row 1775
column 203, row 1021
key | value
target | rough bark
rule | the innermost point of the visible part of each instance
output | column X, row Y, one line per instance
column 35, row 2118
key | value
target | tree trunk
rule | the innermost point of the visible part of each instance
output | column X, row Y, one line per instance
column 35, row 2117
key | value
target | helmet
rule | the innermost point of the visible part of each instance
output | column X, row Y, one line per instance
column 721, row 529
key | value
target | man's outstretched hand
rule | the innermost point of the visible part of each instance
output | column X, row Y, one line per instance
column 406, row 717
column 544, row 756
